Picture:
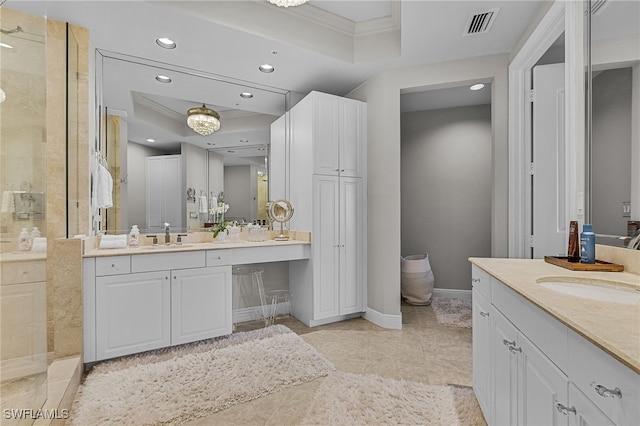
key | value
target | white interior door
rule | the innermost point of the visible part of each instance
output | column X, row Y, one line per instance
column 549, row 165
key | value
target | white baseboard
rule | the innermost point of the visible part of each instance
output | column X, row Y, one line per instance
column 449, row 292
column 383, row 320
column 253, row 313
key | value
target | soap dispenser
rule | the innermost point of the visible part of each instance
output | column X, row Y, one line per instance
column 134, row 236
column 24, row 240
column 587, row 244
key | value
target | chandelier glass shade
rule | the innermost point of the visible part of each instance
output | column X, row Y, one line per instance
column 203, row 120
column 287, row 3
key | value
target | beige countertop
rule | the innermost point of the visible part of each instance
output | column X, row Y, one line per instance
column 187, row 246
column 22, row 256
column 614, row 327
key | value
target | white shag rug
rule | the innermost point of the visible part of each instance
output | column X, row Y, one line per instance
column 171, row 386
column 355, row 399
column 452, row 311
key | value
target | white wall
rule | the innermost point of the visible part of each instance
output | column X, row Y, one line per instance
column 446, row 189
column 194, row 171
column 382, row 93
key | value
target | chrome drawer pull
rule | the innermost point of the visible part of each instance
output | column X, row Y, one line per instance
column 484, row 314
column 607, row 393
column 565, row 410
column 508, row 343
column 513, row 349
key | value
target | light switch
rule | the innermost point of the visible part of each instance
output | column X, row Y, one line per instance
column 626, row 209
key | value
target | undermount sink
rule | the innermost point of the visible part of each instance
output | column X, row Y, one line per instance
column 166, row 247
column 605, row 291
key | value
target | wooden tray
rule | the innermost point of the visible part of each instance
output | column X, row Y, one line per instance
column 600, row 265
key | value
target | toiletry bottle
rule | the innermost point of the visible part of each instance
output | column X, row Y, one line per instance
column 587, row 244
column 134, row 236
column 24, row 240
column 573, row 251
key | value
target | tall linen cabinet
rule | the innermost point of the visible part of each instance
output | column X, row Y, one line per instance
column 327, row 189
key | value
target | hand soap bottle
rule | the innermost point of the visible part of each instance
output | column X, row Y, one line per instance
column 587, row 244
column 24, row 240
column 134, row 236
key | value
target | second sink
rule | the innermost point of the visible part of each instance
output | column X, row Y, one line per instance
column 604, row 291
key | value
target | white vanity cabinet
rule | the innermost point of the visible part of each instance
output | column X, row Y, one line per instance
column 130, row 306
column 327, row 163
column 542, row 372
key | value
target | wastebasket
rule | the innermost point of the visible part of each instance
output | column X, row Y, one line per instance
column 416, row 279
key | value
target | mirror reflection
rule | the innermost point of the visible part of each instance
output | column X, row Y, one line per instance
column 615, row 143
column 163, row 169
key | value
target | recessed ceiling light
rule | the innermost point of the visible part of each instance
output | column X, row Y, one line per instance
column 210, row 143
column 266, row 68
column 231, row 151
column 246, row 95
column 163, row 79
column 6, row 46
column 244, row 140
column 151, row 140
column 477, row 86
column 166, row 43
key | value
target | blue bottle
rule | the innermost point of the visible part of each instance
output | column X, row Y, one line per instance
column 587, row 244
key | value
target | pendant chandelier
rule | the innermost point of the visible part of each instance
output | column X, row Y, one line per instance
column 287, row 3
column 203, row 120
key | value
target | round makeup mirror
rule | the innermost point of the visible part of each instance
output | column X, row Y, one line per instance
column 280, row 211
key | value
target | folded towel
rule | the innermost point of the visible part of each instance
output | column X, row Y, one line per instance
column 202, row 208
column 39, row 245
column 9, row 201
column 113, row 241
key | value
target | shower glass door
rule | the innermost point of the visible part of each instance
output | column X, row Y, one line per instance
column 23, row 287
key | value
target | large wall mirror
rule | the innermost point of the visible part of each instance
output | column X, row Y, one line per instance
column 162, row 169
column 613, row 109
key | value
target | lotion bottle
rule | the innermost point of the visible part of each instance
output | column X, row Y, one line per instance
column 24, row 240
column 134, row 236
column 587, row 244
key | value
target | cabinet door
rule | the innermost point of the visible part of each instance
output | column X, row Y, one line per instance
column 583, row 411
column 325, row 134
column 504, row 387
column 542, row 386
column 351, row 129
column 481, row 335
column 200, row 304
column 133, row 313
column 352, row 262
column 326, row 250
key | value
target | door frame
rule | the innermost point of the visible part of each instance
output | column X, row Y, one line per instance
column 562, row 16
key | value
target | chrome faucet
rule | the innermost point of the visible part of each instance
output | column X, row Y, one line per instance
column 167, row 235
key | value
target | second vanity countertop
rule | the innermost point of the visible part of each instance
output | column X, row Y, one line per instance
column 187, row 246
column 614, row 327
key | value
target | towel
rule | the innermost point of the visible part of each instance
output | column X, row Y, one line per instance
column 9, row 201
column 39, row 245
column 202, row 208
column 113, row 241
column 102, row 194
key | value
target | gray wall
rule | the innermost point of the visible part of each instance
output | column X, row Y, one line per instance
column 611, row 162
column 382, row 94
column 194, row 175
column 446, row 189
column 240, row 184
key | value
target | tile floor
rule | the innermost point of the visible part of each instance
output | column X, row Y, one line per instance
column 422, row 351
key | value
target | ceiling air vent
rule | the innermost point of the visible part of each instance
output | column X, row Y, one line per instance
column 481, row 22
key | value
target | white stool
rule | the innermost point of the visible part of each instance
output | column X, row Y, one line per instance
column 244, row 276
column 274, row 298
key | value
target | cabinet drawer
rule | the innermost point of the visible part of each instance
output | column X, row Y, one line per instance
column 591, row 367
column 481, row 281
column 155, row 261
column 24, row 272
column 114, row 265
column 219, row 257
column 547, row 333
